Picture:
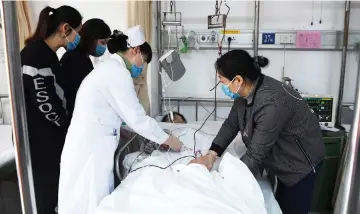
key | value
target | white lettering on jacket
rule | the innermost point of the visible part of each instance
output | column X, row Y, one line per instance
column 41, row 91
column 42, row 98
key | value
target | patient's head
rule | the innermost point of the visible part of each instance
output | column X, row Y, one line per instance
column 178, row 118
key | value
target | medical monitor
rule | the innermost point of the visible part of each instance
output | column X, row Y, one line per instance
column 324, row 106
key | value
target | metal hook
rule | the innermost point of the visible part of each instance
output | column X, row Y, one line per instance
column 171, row 6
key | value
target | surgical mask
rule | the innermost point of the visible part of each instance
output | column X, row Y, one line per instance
column 100, row 50
column 135, row 70
column 227, row 91
column 72, row 45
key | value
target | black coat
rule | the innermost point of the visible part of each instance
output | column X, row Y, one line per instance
column 45, row 107
column 76, row 66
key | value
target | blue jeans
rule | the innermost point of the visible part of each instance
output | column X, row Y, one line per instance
column 296, row 199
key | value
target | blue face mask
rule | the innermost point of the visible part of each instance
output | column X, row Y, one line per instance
column 100, row 50
column 72, row 45
column 136, row 71
column 227, row 91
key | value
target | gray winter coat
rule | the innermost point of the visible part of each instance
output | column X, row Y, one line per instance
column 279, row 129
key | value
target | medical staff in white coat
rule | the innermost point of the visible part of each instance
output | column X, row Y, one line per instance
column 105, row 99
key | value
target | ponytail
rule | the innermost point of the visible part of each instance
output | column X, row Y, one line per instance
column 42, row 26
column 239, row 62
column 50, row 19
column 118, row 42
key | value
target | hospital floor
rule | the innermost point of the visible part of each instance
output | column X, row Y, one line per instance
column 10, row 196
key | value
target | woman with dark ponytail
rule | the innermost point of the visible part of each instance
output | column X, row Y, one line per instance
column 45, row 104
column 281, row 132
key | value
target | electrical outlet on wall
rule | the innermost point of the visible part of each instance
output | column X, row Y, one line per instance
column 227, row 38
column 234, row 39
column 207, row 38
column 287, row 39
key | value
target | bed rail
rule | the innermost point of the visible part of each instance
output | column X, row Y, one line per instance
column 130, row 142
column 2, row 114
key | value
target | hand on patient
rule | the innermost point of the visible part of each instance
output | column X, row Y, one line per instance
column 206, row 160
column 173, row 142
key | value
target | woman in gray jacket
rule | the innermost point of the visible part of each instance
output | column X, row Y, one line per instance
column 279, row 129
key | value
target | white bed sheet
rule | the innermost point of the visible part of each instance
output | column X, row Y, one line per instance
column 204, row 137
column 7, row 151
column 186, row 189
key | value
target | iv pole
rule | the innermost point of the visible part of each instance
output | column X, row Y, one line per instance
column 348, row 194
column 17, row 103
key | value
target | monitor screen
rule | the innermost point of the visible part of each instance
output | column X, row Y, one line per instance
column 323, row 107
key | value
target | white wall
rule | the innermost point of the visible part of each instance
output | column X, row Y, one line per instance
column 313, row 71
column 114, row 13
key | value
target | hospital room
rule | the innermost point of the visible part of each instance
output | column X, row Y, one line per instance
column 180, row 106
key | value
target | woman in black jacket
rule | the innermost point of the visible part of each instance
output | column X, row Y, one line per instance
column 45, row 104
column 77, row 64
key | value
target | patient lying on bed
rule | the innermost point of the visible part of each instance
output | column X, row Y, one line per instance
column 150, row 146
column 178, row 118
column 186, row 189
column 182, row 188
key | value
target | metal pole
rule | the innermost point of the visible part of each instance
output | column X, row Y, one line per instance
column 159, row 51
column 343, row 62
column 17, row 103
column 256, row 28
column 348, row 194
column 215, row 101
column 196, row 111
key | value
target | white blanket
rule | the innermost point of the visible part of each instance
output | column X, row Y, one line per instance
column 187, row 189
column 7, row 152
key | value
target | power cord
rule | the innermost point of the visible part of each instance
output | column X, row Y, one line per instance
column 202, row 106
column 229, row 39
column 199, row 130
column 188, row 156
column 216, row 83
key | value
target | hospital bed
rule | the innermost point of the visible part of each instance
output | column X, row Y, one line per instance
column 130, row 152
column 7, row 153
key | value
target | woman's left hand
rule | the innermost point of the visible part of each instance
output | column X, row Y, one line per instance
column 206, row 160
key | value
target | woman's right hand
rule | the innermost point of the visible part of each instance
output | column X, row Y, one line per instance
column 206, row 160
column 174, row 143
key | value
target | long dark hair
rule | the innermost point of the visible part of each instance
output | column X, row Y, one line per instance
column 50, row 19
column 118, row 43
column 239, row 62
column 92, row 30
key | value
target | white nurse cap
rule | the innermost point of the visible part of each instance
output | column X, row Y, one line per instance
column 136, row 36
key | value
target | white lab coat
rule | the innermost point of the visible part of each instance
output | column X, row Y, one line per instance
column 105, row 99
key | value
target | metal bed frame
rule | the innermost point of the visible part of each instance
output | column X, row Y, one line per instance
column 2, row 96
column 129, row 143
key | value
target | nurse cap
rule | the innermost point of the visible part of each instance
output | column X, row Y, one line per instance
column 136, row 36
